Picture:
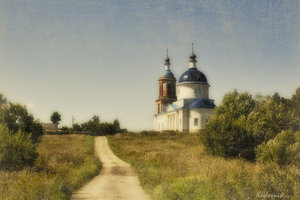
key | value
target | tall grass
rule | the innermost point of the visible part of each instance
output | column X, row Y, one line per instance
column 64, row 164
column 176, row 167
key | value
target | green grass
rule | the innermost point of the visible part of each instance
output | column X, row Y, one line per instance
column 64, row 164
column 176, row 167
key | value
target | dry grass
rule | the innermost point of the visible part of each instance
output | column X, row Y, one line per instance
column 176, row 167
column 65, row 163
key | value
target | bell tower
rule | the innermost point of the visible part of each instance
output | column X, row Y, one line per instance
column 167, row 87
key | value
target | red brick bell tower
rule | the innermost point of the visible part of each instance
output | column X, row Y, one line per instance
column 167, row 87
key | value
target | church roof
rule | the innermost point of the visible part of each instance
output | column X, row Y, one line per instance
column 168, row 74
column 202, row 103
column 192, row 75
column 192, row 103
column 49, row 127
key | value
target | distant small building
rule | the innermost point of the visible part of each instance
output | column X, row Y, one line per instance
column 50, row 127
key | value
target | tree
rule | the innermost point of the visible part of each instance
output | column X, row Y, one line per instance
column 270, row 117
column 95, row 119
column 296, row 107
column 16, row 117
column 226, row 134
column 242, row 123
column 55, row 117
column 77, row 127
column 116, row 124
column 106, row 129
column 16, row 149
column 2, row 99
column 92, row 125
column 282, row 149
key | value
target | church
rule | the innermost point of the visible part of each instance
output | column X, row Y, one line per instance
column 183, row 106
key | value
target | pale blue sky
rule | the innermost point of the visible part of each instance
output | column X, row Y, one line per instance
column 86, row 57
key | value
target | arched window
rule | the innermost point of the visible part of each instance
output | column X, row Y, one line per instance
column 195, row 121
column 165, row 89
column 197, row 91
column 169, row 91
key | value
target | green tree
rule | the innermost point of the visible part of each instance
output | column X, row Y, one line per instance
column 55, row 117
column 296, row 107
column 106, row 129
column 77, row 127
column 283, row 149
column 2, row 99
column 16, row 149
column 16, row 117
column 92, row 125
column 270, row 117
column 226, row 134
column 116, row 124
column 95, row 119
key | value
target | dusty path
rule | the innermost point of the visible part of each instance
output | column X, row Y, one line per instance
column 116, row 181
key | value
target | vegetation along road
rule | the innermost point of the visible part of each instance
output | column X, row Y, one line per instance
column 117, row 179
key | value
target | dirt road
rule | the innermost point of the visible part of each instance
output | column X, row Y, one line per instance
column 116, row 181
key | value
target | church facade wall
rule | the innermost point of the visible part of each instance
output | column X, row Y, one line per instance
column 198, row 118
column 168, row 121
column 192, row 90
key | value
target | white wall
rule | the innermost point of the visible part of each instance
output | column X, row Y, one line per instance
column 189, row 90
column 182, row 120
column 202, row 115
column 167, row 121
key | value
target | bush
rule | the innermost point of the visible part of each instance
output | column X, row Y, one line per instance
column 225, row 134
column 16, row 149
column 16, row 117
column 283, row 149
column 241, row 123
column 65, row 130
column 270, row 117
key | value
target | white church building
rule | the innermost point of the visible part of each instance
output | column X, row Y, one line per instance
column 185, row 105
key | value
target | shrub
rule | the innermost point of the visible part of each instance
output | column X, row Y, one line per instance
column 241, row 123
column 65, row 130
column 106, row 129
column 283, row 149
column 270, row 117
column 16, row 149
column 16, row 117
column 225, row 134
column 296, row 107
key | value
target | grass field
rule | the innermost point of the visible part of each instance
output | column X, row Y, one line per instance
column 175, row 167
column 64, row 164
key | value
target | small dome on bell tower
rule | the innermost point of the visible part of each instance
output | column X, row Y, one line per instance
column 167, row 87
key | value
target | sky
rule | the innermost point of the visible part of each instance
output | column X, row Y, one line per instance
column 104, row 57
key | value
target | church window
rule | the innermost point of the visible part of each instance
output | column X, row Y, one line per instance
column 168, row 89
column 197, row 91
column 185, row 77
column 195, row 121
column 165, row 89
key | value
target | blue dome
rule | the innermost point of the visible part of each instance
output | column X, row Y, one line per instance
column 192, row 75
column 202, row 103
column 168, row 74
